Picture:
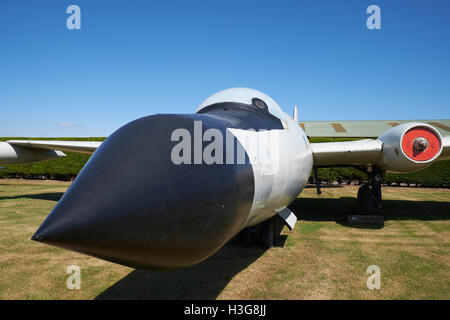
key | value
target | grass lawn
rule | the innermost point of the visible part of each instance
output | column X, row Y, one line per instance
column 322, row 258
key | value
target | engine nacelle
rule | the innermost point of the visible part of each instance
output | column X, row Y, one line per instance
column 10, row 154
column 410, row 147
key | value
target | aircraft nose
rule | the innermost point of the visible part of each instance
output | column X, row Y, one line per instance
column 132, row 205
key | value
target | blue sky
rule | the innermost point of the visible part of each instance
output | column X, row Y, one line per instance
column 136, row 58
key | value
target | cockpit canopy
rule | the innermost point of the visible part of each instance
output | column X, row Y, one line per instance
column 245, row 96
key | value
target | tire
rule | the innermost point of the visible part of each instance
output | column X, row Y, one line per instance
column 366, row 200
column 245, row 238
column 266, row 234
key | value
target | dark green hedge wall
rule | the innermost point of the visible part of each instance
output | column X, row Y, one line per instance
column 68, row 167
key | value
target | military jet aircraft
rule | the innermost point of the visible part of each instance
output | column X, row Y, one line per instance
column 167, row 191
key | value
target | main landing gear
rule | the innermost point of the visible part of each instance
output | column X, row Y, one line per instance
column 369, row 199
column 369, row 195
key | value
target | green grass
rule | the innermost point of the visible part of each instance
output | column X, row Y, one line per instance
column 322, row 258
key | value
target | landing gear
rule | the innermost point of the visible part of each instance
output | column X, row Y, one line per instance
column 376, row 178
column 366, row 200
column 369, row 195
column 266, row 234
column 245, row 237
column 263, row 235
column 369, row 199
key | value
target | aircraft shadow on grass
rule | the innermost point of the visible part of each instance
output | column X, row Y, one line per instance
column 204, row 281
column 207, row 279
column 337, row 209
column 52, row 196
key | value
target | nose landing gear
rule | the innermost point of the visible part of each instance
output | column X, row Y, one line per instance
column 262, row 235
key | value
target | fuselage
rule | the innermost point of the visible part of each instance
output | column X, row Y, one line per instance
column 279, row 180
column 167, row 191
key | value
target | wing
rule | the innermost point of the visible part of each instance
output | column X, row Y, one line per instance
column 445, row 155
column 356, row 153
column 87, row 147
column 405, row 147
column 364, row 129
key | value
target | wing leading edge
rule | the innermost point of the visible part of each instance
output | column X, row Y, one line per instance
column 369, row 152
column 87, row 147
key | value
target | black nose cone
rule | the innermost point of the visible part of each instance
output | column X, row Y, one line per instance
column 131, row 204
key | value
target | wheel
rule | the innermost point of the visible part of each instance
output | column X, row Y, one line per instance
column 266, row 234
column 245, row 237
column 366, row 200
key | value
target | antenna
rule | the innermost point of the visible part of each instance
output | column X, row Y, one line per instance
column 295, row 115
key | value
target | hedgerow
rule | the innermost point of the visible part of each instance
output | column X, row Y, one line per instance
column 437, row 175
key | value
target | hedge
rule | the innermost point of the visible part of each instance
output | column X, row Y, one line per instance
column 65, row 168
column 437, row 175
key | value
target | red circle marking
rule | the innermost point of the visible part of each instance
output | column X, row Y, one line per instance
column 434, row 144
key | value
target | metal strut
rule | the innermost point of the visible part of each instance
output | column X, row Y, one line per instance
column 376, row 178
column 369, row 198
column 317, row 181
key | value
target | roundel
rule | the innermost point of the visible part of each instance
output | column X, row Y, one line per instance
column 421, row 144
